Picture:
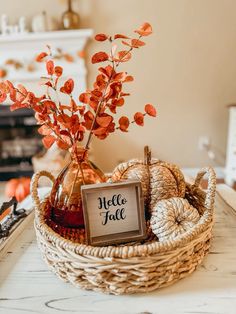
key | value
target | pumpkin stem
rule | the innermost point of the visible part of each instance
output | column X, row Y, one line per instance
column 147, row 155
column 147, row 163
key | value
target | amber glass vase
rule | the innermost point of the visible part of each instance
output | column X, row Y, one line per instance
column 65, row 199
column 70, row 19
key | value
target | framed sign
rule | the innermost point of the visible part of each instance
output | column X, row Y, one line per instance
column 113, row 212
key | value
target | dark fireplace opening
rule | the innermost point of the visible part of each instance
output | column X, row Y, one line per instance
column 19, row 142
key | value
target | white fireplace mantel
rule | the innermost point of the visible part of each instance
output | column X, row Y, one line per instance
column 23, row 48
column 81, row 34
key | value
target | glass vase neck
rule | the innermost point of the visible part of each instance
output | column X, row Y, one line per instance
column 79, row 154
column 69, row 5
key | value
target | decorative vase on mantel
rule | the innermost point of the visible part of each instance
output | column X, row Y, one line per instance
column 65, row 199
column 70, row 19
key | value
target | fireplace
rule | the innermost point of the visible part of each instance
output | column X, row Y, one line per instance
column 19, row 141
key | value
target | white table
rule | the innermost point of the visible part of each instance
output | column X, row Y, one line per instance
column 2, row 192
column 27, row 286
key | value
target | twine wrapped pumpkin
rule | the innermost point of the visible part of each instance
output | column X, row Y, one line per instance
column 159, row 179
column 173, row 217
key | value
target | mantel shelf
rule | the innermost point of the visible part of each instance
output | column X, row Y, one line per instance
column 80, row 33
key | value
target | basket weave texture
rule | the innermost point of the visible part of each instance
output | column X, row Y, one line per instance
column 130, row 268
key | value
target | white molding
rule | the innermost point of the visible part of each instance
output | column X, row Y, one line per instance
column 24, row 47
column 42, row 36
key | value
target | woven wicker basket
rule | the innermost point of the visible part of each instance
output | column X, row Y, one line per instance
column 130, row 268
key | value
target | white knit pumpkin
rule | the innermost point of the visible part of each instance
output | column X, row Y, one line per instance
column 159, row 179
column 173, row 217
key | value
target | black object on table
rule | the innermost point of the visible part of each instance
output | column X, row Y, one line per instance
column 12, row 218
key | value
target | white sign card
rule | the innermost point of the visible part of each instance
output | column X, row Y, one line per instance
column 113, row 212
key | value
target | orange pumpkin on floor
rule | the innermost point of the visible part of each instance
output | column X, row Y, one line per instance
column 20, row 188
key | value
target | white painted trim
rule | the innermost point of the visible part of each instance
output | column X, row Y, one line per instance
column 24, row 47
column 80, row 33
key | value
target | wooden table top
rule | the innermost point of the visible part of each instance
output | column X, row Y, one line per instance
column 27, row 286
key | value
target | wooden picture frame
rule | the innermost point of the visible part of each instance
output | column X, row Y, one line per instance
column 113, row 212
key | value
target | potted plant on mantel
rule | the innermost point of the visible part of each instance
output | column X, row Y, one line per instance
column 94, row 115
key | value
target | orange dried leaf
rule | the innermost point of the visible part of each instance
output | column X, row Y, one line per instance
column 63, row 145
column 68, row 87
column 99, row 57
column 50, row 67
column 150, row 110
column 3, row 73
column 100, row 81
column 123, row 56
column 12, row 94
column 93, row 104
column 136, row 43
column 49, row 104
column 44, row 130
column 3, row 97
column 64, row 118
column 30, row 98
column 58, row 71
column 64, row 107
column 48, row 141
column 112, row 108
column 119, row 76
column 124, row 123
column 118, row 102
column 88, row 119
column 104, row 121
column 9, row 84
column 73, row 105
column 107, row 71
column 117, row 36
column 126, row 43
column 101, row 37
column 144, row 30
column 96, row 93
column 17, row 105
column 139, row 118
column 22, row 89
column 20, row 97
column 84, row 98
column 41, row 56
column 4, row 87
column 65, row 133
column 129, row 78
column 48, row 83
column 100, row 131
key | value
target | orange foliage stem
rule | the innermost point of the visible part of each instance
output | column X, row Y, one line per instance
column 100, row 103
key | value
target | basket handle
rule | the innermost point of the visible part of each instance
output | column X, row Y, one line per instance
column 211, row 187
column 34, row 185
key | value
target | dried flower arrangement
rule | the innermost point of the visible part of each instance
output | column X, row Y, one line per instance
column 67, row 124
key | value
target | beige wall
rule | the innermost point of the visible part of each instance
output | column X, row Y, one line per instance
column 188, row 69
